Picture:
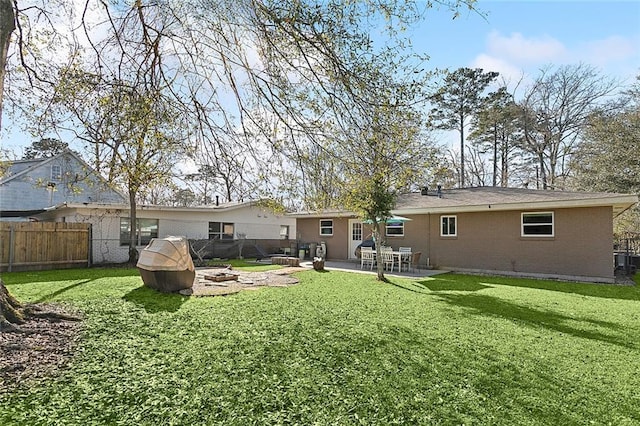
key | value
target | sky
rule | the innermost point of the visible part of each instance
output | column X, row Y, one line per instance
column 515, row 38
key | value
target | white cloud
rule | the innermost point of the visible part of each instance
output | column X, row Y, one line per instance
column 508, row 71
column 610, row 49
column 522, row 50
column 516, row 55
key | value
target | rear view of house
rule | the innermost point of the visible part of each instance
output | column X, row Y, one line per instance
column 547, row 234
column 223, row 225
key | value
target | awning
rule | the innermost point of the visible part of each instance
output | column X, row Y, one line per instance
column 390, row 219
column 20, row 213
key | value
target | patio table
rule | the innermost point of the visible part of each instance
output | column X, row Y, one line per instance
column 397, row 255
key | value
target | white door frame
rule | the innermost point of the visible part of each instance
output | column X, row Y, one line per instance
column 353, row 244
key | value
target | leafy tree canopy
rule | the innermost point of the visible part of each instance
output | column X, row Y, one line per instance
column 44, row 148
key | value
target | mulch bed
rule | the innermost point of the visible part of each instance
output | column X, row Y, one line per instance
column 44, row 346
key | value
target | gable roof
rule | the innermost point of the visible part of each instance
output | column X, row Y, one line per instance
column 496, row 198
column 20, row 168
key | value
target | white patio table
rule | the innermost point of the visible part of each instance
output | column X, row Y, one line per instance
column 397, row 256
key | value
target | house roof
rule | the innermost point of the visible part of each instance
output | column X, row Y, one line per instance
column 20, row 168
column 496, row 198
column 150, row 207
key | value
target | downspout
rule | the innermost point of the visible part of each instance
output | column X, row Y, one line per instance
column 428, row 240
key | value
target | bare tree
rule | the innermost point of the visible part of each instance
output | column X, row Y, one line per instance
column 554, row 111
column 607, row 160
column 293, row 77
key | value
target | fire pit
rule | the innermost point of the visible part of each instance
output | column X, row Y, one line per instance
column 221, row 276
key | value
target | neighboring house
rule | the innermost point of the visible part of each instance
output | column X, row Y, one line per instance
column 32, row 185
column 225, row 224
column 546, row 234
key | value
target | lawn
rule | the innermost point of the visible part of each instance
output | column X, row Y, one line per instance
column 339, row 349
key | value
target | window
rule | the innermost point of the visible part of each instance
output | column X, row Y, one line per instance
column 395, row 229
column 356, row 231
column 56, row 172
column 326, row 227
column 537, row 224
column 221, row 231
column 146, row 229
column 448, row 226
column 284, row 232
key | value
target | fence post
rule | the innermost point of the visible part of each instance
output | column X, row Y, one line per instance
column 90, row 245
column 12, row 242
column 627, row 257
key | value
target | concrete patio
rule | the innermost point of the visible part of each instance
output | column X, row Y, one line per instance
column 354, row 266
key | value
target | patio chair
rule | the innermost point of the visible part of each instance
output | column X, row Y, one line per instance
column 405, row 257
column 388, row 259
column 415, row 259
column 367, row 257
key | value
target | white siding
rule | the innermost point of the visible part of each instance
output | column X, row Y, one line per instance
column 256, row 222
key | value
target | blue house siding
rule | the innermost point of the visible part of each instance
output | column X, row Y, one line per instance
column 65, row 178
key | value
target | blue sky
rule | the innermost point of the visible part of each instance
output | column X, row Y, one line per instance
column 524, row 36
column 515, row 37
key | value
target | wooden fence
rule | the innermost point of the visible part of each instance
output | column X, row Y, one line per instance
column 30, row 246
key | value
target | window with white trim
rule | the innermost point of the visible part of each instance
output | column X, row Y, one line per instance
column 221, row 231
column 56, row 172
column 448, row 226
column 538, row 224
column 284, row 232
column 326, row 227
column 395, row 229
column 146, row 229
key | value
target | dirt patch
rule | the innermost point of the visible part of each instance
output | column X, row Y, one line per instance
column 246, row 281
column 45, row 345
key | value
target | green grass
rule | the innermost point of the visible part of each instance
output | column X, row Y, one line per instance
column 340, row 349
column 251, row 265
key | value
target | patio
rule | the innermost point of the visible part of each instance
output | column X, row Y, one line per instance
column 354, row 266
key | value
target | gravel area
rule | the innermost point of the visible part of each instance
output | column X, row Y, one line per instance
column 245, row 281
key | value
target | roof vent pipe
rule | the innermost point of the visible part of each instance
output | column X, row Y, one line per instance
column 217, row 200
column 424, row 190
column 439, row 191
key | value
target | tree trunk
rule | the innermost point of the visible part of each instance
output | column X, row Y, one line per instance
column 378, row 241
column 133, row 228
column 462, row 180
column 543, row 174
column 7, row 25
column 495, row 154
column 11, row 311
